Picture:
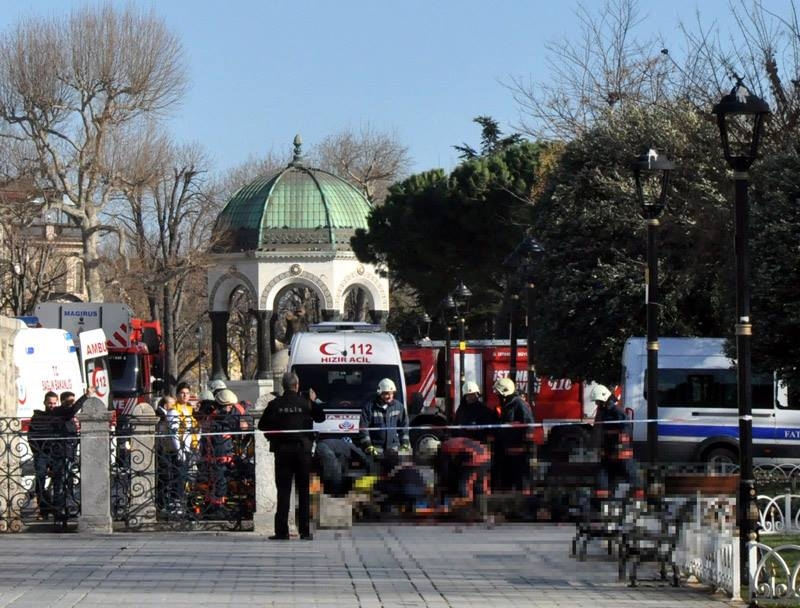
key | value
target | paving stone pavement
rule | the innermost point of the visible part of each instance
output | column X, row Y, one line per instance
column 370, row 566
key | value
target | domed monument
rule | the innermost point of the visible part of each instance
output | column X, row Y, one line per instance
column 283, row 232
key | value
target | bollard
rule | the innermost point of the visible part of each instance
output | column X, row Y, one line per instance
column 95, row 517
column 266, row 494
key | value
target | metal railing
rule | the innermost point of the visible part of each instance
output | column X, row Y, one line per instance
column 39, row 475
column 154, row 485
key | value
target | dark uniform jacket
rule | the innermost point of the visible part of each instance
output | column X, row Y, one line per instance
column 472, row 414
column 58, row 422
column 290, row 412
column 615, row 436
column 515, row 411
column 384, row 427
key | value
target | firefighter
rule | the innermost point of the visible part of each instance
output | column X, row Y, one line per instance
column 513, row 440
column 384, row 426
column 462, row 469
column 616, row 451
column 472, row 411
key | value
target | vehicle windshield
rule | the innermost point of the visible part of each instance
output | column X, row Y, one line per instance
column 347, row 385
column 125, row 374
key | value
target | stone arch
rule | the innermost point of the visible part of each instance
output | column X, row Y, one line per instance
column 278, row 282
column 379, row 298
column 216, row 294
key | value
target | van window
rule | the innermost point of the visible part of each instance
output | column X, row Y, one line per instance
column 713, row 388
column 412, row 370
column 351, row 385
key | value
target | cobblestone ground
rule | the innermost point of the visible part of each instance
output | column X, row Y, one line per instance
column 368, row 566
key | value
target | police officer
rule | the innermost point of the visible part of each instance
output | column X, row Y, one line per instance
column 281, row 421
column 383, row 428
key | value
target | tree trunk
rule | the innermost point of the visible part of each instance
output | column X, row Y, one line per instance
column 168, row 329
column 91, row 260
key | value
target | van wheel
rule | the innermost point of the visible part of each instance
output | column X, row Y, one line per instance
column 722, row 458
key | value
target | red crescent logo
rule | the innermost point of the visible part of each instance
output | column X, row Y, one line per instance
column 99, row 382
column 323, row 348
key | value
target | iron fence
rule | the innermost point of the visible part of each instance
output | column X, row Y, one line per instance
column 39, row 474
column 154, row 485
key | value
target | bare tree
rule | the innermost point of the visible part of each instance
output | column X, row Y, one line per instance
column 371, row 159
column 71, row 87
column 590, row 77
column 251, row 169
column 166, row 219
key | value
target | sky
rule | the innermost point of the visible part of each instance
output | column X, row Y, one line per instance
column 262, row 71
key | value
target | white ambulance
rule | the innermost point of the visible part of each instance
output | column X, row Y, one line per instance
column 343, row 362
column 698, row 418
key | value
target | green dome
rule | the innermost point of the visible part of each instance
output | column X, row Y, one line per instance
column 296, row 209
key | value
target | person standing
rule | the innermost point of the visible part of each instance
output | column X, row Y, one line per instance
column 514, row 439
column 472, row 411
column 383, row 427
column 616, row 450
column 288, row 423
column 51, row 431
column 223, row 429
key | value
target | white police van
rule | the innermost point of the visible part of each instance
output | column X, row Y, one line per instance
column 697, row 404
column 343, row 362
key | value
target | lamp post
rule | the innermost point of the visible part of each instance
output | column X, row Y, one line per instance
column 448, row 305
column 461, row 295
column 198, row 334
column 740, row 117
column 517, row 263
column 651, row 173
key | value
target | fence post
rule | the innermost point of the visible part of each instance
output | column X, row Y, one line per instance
column 95, row 515
column 266, row 494
column 143, row 465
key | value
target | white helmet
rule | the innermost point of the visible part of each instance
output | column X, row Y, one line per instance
column 599, row 393
column 217, row 385
column 386, row 386
column 227, row 397
column 427, row 448
column 470, row 388
column 504, row 387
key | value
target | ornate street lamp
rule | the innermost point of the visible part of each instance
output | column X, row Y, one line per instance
column 534, row 248
column 198, row 335
column 651, row 173
column 448, row 305
column 461, row 295
column 517, row 263
column 740, row 117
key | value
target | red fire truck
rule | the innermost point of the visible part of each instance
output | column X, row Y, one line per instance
column 135, row 349
column 560, row 406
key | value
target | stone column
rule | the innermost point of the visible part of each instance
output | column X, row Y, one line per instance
column 95, row 517
column 219, row 344
column 143, row 463
column 264, row 344
column 266, row 494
